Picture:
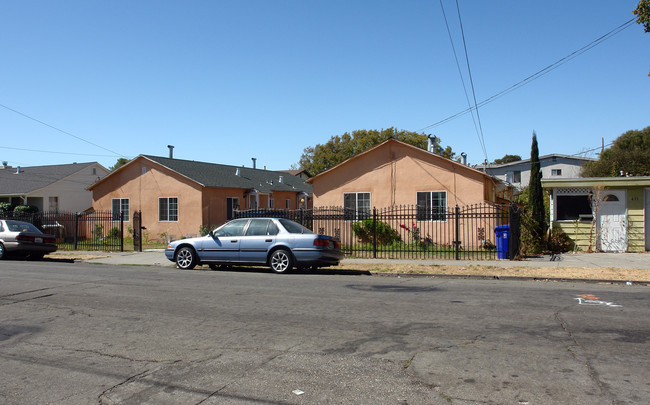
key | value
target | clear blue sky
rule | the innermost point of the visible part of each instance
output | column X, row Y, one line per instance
column 225, row 81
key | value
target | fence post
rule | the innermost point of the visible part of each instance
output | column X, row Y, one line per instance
column 121, row 231
column 457, row 237
column 514, row 239
column 374, row 232
column 76, row 228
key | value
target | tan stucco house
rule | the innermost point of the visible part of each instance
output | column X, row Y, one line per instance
column 610, row 214
column 396, row 173
column 178, row 197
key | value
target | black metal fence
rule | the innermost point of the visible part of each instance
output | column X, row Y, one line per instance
column 78, row 230
column 475, row 232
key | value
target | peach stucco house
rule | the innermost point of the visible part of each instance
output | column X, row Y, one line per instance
column 396, row 173
column 178, row 197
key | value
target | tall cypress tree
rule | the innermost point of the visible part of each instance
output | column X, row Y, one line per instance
column 535, row 193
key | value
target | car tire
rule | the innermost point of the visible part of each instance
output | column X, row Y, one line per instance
column 281, row 261
column 186, row 258
column 3, row 253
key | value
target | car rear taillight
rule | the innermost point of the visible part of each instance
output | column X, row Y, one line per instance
column 25, row 238
column 321, row 242
column 49, row 240
column 337, row 244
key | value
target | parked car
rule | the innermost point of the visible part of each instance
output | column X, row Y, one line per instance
column 24, row 239
column 278, row 243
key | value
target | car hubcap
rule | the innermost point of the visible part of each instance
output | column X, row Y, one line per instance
column 280, row 261
column 184, row 258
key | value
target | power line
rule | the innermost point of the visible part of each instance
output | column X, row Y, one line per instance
column 460, row 73
column 538, row 74
column 471, row 81
column 53, row 152
column 60, row 130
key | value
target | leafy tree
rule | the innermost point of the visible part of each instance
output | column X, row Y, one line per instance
column 642, row 11
column 120, row 162
column 536, row 194
column 339, row 148
column 630, row 154
column 507, row 159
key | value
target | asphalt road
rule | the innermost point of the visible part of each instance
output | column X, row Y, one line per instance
column 75, row 333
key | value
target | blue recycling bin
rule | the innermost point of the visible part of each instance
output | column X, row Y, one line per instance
column 503, row 234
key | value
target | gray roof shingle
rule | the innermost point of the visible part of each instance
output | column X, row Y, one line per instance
column 33, row 178
column 224, row 176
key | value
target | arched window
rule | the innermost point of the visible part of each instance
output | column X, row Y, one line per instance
column 610, row 197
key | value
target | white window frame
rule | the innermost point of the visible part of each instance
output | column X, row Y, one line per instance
column 123, row 203
column 556, row 172
column 429, row 212
column 168, row 214
column 271, row 203
column 287, row 204
column 360, row 210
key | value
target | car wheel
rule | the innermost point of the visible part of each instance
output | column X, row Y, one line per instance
column 2, row 251
column 186, row 258
column 280, row 261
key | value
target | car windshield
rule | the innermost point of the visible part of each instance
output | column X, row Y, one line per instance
column 17, row 226
column 293, row 227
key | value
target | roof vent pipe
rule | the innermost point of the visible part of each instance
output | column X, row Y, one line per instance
column 281, row 179
column 237, row 172
column 18, row 170
column 171, row 151
column 254, row 163
column 463, row 158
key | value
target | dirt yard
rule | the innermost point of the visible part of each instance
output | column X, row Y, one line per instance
column 634, row 275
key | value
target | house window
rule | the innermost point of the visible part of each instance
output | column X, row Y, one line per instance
column 516, row 176
column 573, row 207
column 556, row 172
column 232, row 204
column 120, row 205
column 271, row 203
column 356, row 206
column 168, row 209
column 287, row 204
column 54, row 204
column 94, row 171
column 432, row 206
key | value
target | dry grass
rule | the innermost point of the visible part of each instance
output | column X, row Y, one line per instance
column 638, row 275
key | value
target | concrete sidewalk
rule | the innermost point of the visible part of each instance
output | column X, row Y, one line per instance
column 156, row 257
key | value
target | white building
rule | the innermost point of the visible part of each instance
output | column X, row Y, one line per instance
column 554, row 166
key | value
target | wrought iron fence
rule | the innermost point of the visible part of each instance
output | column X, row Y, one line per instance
column 76, row 230
column 411, row 231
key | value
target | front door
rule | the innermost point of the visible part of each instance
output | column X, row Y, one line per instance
column 612, row 221
column 223, row 245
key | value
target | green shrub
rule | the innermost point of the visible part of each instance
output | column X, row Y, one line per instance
column 6, row 207
column 25, row 209
column 385, row 234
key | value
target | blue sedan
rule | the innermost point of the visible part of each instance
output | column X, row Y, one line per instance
column 278, row 243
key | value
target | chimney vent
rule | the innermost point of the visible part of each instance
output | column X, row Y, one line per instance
column 463, row 158
column 254, row 163
column 171, row 151
column 281, row 179
column 18, row 170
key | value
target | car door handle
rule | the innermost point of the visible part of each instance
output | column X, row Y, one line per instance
column 233, row 241
column 269, row 240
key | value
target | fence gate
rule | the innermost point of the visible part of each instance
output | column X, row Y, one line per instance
column 137, row 231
